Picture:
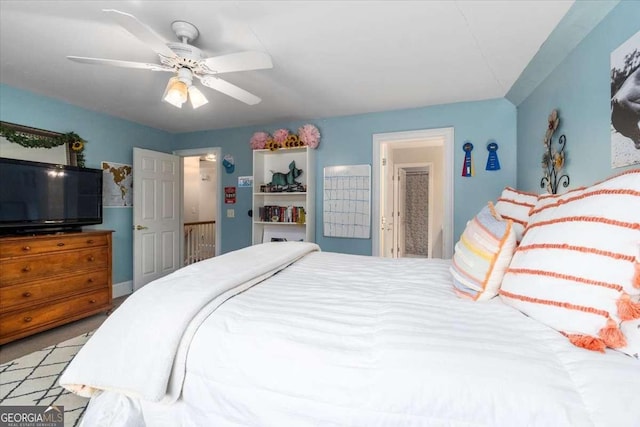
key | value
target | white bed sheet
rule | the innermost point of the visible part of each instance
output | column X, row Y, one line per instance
column 347, row 340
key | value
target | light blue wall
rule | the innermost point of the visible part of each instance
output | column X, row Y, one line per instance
column 348, row 140
column 580, row 89
column 109, row 139
column 345, row 140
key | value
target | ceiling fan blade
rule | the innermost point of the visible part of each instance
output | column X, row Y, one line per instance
column 242, row 61
column 118, row 63
column 141, row 31
column 229, row 89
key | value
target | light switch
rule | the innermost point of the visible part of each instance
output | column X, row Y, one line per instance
column 231, row 213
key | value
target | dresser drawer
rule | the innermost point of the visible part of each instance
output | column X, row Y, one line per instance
column 27, row 246
column 36, row 292
column 31, row 318
column 23, row 269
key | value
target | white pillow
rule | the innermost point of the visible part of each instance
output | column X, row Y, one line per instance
column 515, row 205
column 631, row 330
column 575, row 267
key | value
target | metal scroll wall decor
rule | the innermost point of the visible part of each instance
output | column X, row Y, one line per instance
column 553, row 157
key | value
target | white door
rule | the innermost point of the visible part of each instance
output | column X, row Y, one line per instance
column 156, row 218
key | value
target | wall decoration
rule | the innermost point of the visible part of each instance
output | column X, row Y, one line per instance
column 229, row 195
column 553, row 158
column 286, row 181
column 228, row 163
column 467, row 165
column 245, row 181
column 32, row 138
column 625, row 103
column 259, row 140
column 346, row 210
column 117, row 185
column 493, row 163
column 308, row 135
column 280, row 137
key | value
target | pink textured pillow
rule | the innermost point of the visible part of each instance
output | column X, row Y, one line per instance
column 576, row 268
column 515, row 205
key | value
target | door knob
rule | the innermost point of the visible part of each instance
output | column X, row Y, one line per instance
column 141, row 227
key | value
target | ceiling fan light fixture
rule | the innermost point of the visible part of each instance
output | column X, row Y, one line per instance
column 176, row 92
column 186, row 61
column 196, row 97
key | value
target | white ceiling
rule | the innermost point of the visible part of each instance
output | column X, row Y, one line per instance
column 331, row 58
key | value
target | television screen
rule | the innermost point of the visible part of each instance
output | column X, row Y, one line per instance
column 36, row 195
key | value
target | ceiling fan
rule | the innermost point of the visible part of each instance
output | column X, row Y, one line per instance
column 186, row 62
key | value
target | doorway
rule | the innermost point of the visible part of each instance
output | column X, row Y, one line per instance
column 431, row 150
column 200, row 202
column 158, row 213
column 413, row 206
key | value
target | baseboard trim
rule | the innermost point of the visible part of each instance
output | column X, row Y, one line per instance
column 123, row 288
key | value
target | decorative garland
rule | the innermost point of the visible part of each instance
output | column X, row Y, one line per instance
column 308, row 135
column 72, row 139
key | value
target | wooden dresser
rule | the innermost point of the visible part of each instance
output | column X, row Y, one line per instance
column 52, row 279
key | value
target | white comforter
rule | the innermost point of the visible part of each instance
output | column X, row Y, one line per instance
column 345, row 340
column 140, row 351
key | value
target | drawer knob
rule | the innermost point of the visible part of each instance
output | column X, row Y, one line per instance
column 91, row 258
column 27, row 319
column 26, row 269
column 26, row 248
column 90, row 280
column 60, row 244
column 92, row 301
column 90, row 241
column 26, row 294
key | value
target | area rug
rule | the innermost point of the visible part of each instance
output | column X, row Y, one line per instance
column 33, row 380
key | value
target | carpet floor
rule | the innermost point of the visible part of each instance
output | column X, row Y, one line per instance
column 33, row 380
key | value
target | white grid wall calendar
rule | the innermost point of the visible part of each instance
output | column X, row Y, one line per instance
column 346, row 209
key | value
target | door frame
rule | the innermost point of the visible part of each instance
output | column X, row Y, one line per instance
column 398, row 207
column 201, row 152
column 418, row 138
column 427, row 167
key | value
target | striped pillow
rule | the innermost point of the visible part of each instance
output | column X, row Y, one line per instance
column 515, row 205
column 575, row 269
column 482, row 255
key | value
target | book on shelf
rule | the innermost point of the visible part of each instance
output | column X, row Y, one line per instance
column 270, row 213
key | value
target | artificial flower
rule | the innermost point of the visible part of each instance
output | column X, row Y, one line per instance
column 259, row 140
column 77, row 146
column 280, row 136
column 553, row 122
column 558, row 161
column 272, row 144
column 309, row 135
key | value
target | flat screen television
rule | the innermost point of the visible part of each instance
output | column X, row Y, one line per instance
column 38, row 196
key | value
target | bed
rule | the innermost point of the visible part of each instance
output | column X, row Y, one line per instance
column 283, row 334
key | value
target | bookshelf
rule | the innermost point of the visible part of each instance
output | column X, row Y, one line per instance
column 283, row 212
